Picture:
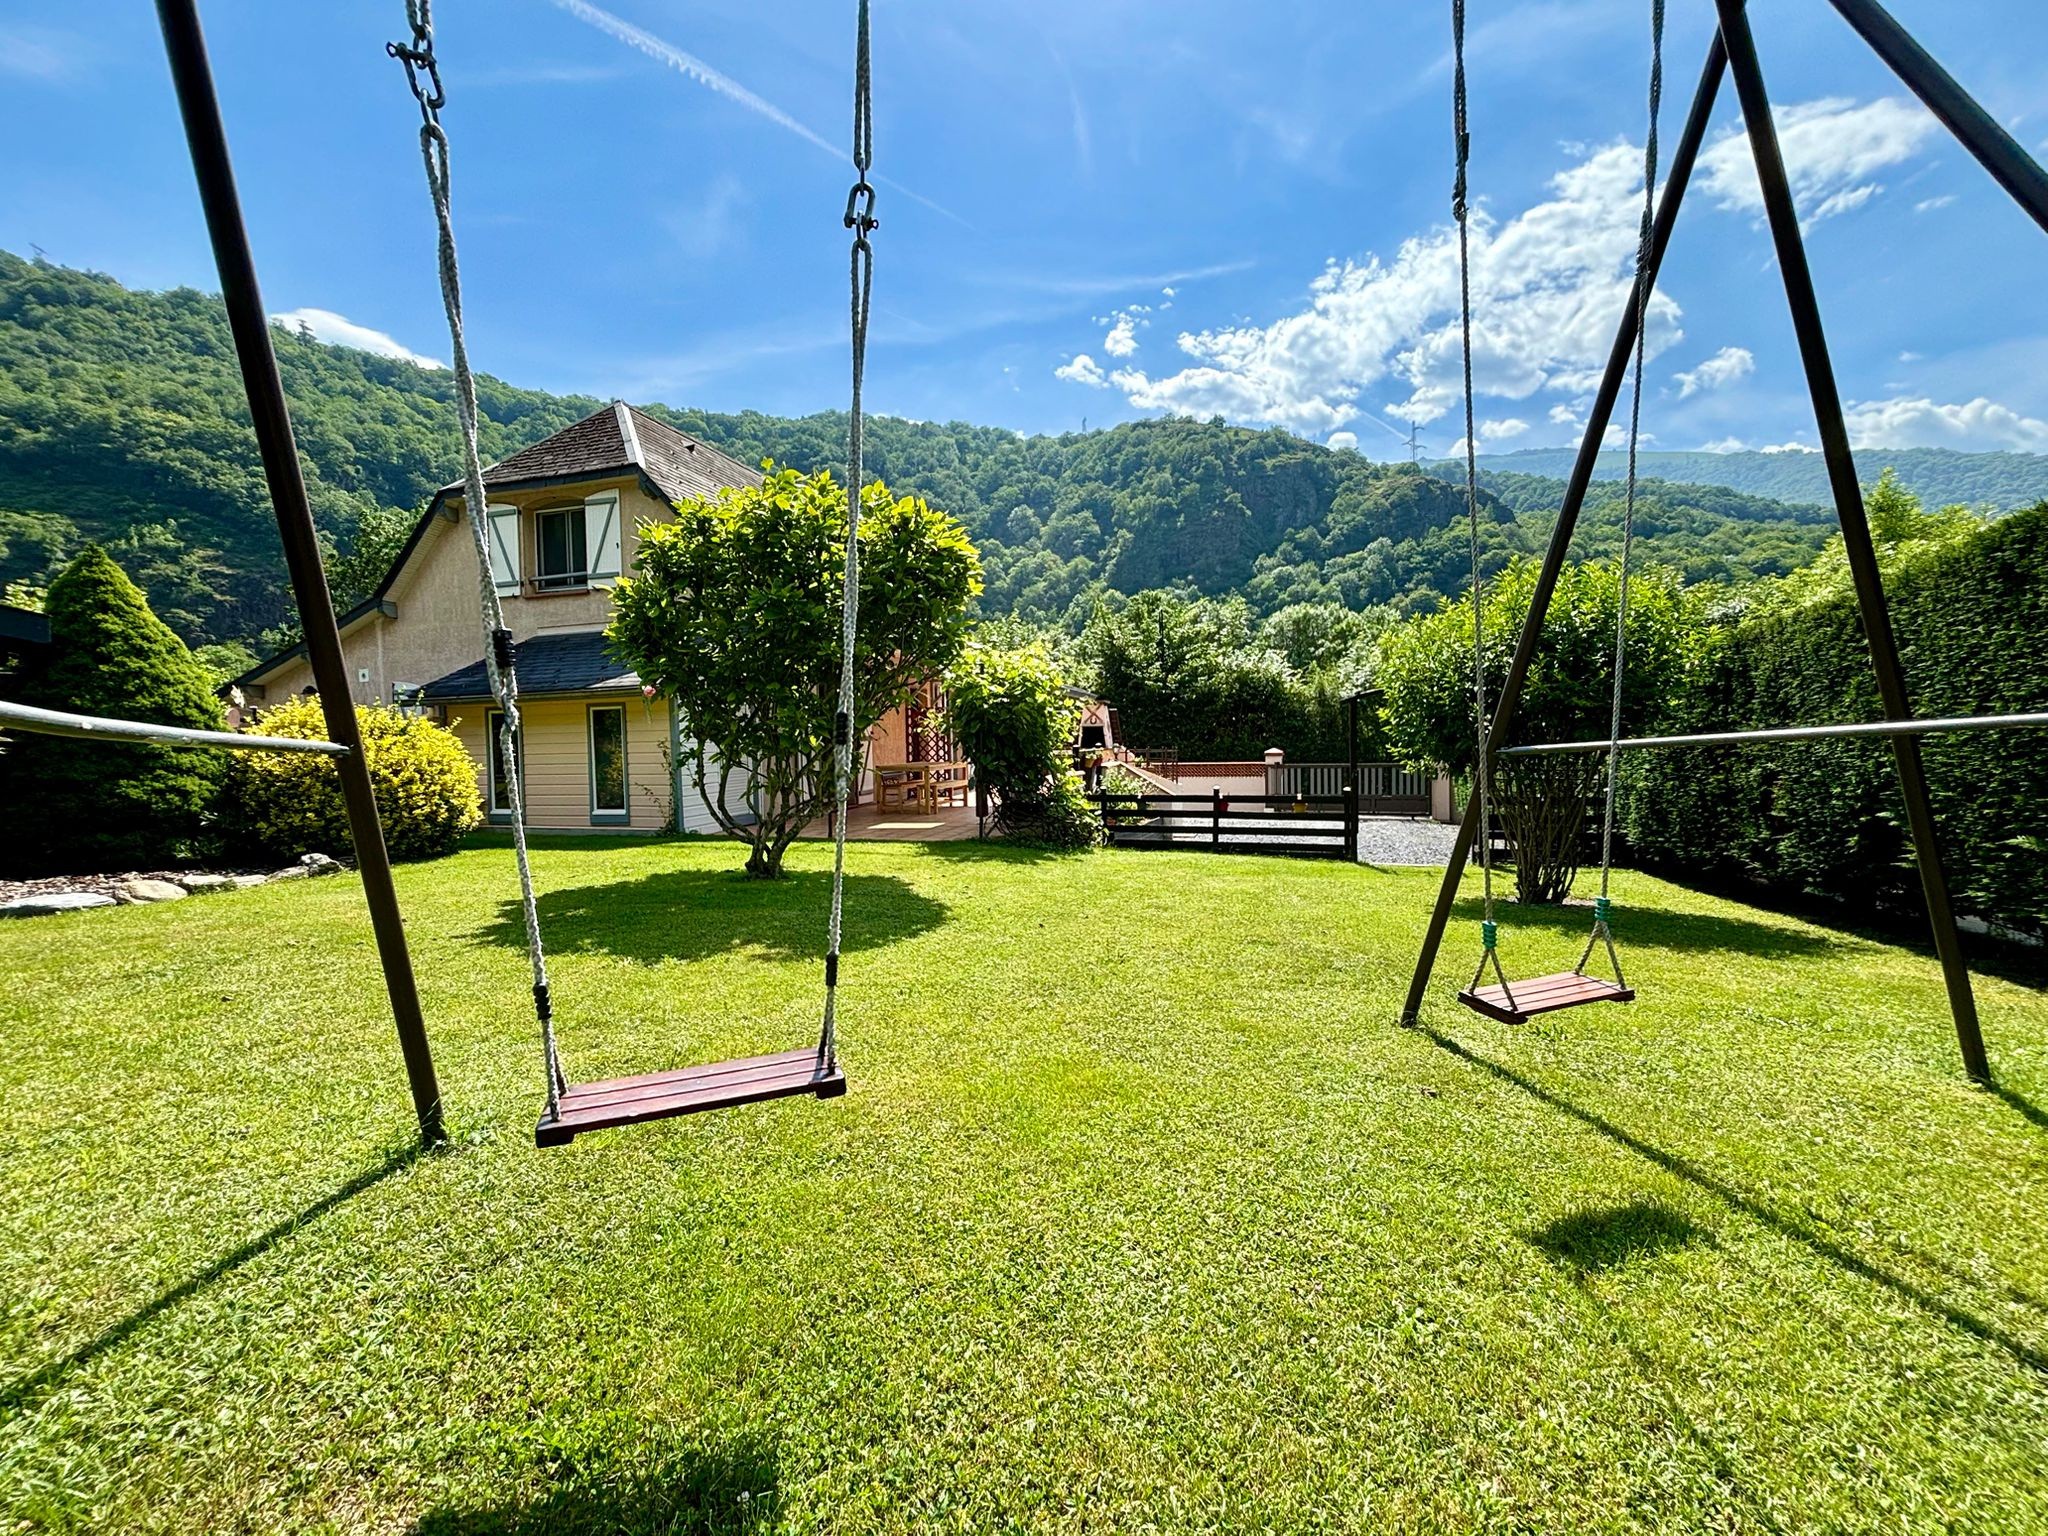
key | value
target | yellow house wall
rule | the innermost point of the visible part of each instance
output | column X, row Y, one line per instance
column 437, row 628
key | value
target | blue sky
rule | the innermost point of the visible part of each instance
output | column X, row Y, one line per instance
column 1095, row 209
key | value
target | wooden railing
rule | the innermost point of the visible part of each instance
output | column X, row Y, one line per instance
column 1308, row 826
column 1384, row 789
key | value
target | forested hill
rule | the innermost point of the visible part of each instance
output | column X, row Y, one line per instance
column 121, row 419
column 1938, row 476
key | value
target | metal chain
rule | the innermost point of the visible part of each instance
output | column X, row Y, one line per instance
column 1482, row 772
column 860, row 218
column 423, row 75
column 1603, row 906
column 1645, row 283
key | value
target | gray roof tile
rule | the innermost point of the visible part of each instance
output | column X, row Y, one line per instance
column 548, row 664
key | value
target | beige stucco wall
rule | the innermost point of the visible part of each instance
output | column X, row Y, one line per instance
column 437, row 628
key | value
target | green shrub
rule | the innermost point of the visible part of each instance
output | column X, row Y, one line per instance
column 286, row 804
column 1825, row 817
column 79, row 805
column 1013, row 718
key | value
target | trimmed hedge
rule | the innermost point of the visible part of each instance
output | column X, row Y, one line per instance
column 286, row 804
column 1826, row 817
column 92, row 805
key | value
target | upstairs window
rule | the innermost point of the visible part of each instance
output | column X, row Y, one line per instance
column 560, row 550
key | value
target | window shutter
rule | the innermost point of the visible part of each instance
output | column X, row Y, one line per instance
column 601, row 537
column 505, row 549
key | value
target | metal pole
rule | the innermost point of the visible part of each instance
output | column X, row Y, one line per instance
column 1856, row 540
column 1602, row 411
column 185, row 46
column 57, row 722
column 1936, row 727
column 1351, row 785
column 1981, row 133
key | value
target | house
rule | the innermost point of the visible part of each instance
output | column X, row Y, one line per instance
column 564, row 515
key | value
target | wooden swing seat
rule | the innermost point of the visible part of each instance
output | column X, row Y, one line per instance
column 691, row 1090
column 1543, row 994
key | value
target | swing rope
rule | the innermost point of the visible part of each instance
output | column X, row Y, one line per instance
column 1603, row 907
column 860, row 218
column 423, row 75
column 1482, row 774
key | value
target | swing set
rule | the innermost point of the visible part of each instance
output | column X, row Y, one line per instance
column 1733, row 51
column 576, row 1108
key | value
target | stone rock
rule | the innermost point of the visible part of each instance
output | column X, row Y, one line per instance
column 319, row 864
column 55, row 901
column 243, row 882
column 290, row 872
column 152, row 890
column 202, row 885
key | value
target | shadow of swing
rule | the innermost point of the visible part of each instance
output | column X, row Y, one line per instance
column 1778, row 1221
column 25, row 1391
column 695, row 914
column 729, row 1487
column 1615, row 1235
column 1565, row 928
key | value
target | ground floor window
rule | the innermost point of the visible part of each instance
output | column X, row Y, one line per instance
column 503, row 761
column 608, row 763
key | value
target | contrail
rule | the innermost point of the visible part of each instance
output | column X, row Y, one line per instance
column 691, row 67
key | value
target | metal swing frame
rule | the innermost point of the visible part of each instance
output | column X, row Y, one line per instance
column 1733, row 51
column 199, row 106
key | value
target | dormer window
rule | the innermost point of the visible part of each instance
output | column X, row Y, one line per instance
column 561, row 550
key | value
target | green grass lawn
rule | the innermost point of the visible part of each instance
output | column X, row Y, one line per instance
column 1141, row 1215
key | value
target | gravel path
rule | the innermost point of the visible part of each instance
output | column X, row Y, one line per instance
column 1391, row 841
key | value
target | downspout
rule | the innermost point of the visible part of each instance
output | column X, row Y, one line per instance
column 675, row 764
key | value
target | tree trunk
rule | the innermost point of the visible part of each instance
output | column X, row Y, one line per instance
column 1542, row 804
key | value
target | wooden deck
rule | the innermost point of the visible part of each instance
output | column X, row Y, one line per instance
column 869, row 824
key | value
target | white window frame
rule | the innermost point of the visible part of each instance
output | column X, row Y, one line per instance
column 562, row 581
column 608, row 816
column 493, row 720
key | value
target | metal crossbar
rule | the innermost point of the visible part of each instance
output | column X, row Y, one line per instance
column 2020, row 722
column 55, row 722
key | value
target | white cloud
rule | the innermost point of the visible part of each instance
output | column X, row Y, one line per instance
column 39, row 53
column 1548, row 284
column 1832, row 148
column 1500, row 431
column 1122, row 339
column 1930, row 204
column 1725, row 445
column 1083, row 369
column 1344, row 440
column 1566, row 416
column 1787, row 448
column 1724, row 367
column 1910, row 357
column 1976, row 425
column 340, row 331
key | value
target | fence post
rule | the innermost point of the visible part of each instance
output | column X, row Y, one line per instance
column 1215, row 819
column 1351, row 820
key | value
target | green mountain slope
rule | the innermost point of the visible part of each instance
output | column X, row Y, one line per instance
column 1938, row 476
column 121, row 419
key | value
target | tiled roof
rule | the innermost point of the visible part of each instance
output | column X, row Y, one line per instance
column 620, row 439
column 548, row 664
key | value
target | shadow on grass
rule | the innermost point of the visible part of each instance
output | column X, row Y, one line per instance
column 1616, row 1235
column 692, row 914
column 2021, row 1105
column 26, row 1391
column 730, row 1488
column 1681, row 931
column 1784, row 1225
column 999, row 850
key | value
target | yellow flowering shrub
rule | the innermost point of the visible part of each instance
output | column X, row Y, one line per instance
column 287, row 804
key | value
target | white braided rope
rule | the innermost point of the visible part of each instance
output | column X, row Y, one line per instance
column 504, row 682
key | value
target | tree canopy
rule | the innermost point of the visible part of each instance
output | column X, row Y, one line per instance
column 732, row 612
